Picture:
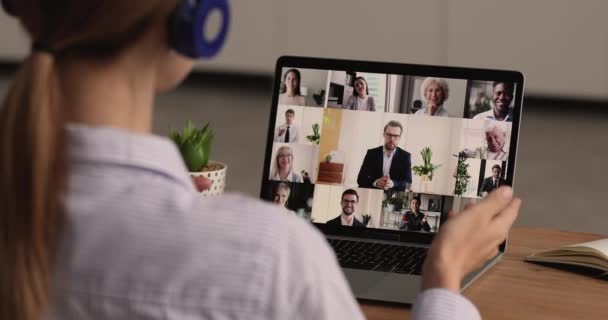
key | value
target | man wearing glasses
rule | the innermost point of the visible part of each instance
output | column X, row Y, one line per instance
column 349, row 201
column 388, row 166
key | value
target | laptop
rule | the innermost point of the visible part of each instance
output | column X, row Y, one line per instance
column 376, row 154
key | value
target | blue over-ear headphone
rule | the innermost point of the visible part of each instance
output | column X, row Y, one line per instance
column 187, row 23
column 186, row 27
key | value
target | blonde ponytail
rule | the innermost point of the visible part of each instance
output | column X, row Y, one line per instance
column 32, row 176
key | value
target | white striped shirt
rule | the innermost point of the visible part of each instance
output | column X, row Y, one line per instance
column 140, row 243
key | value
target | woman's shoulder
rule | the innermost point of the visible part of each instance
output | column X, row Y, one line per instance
column 232, row 245
column 350, row 101
column 192, row 228
column 282, row 97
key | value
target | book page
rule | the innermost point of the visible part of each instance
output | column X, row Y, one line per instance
column 599, row 245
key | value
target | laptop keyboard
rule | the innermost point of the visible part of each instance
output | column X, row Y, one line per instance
column 379, row 256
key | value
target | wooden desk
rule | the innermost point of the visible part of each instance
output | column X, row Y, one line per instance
column 514, row 289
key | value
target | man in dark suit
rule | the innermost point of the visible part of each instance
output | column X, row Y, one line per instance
column 388, row 166
column 349, row 201
column 490, row 183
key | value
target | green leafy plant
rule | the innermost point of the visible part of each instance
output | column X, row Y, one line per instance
column 388, row 198
column 194, row 144
column 366, row 218
column 315, row 137
column 428, row 168
column 319, row 97
column 462, row 174
column 397, row 201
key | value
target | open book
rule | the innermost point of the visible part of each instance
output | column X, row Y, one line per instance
column 589, row 255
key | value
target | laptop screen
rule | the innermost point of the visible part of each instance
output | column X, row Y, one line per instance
column 388, row 151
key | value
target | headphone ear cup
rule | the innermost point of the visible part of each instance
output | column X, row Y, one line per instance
column 187, row 25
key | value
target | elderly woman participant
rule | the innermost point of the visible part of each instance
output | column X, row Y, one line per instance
column 434, row 93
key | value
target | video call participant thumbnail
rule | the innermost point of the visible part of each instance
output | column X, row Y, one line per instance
column 387, row 166
column 290, row 91
column 414, row 219
column 490, row 183
column 283, row 164
column 434, row 93
column 496, row 138
column 349, row 201
column 287, row 132
column 502, row 96
column 280, row 194
column 360, row 100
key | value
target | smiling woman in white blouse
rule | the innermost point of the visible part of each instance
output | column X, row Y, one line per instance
column 290, row 90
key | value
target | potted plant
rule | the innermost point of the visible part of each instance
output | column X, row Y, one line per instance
column 315, row 137
column 366, row 219
column 319, row 97
column 462, row 175
column 397, row 201
column 426, row 170
column 387, row 202
column 194, row 144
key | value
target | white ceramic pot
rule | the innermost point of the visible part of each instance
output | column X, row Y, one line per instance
column 217, row 177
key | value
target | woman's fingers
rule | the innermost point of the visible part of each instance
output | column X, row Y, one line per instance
column 503, row 221
column 201, row 183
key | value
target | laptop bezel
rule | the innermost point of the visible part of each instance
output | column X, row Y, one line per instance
column 397, row 69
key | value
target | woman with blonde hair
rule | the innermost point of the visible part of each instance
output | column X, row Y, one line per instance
column 99, row 217
column 283, row 166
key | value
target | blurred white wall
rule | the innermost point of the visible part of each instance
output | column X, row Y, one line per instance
column 559, row 45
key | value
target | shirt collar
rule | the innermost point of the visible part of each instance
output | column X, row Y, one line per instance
column 277, row 176
column 492, row 116
column 107, row 145
column 384, row 150
column 502, row 150
column 437, row 112
column 345, row 220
